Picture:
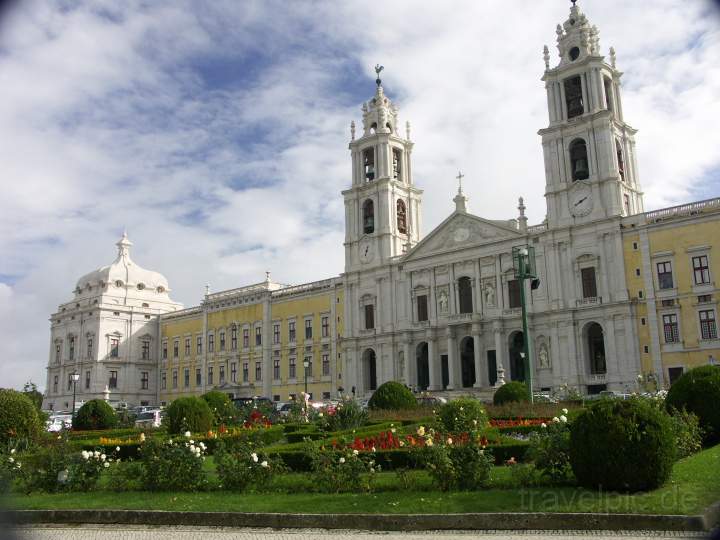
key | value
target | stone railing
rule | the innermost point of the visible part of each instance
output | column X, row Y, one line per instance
column 537, row 228
column 590, row 301
column 684, row 210
column 305, row 287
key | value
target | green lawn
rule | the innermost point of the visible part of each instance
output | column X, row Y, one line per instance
column 694, row 485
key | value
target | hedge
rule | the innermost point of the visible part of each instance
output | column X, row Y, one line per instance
column 392, row 395
column 18, row 417
column 698, row 392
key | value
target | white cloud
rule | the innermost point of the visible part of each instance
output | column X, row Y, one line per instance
column 218, row 134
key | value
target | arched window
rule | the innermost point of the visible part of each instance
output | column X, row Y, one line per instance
column 573, row 97
column 369, row 164
column 396, row 164
column 596, row 349
column 465, row 295
column 579, row 160
column 368, row 217
column 401, row 217
column 620, row 162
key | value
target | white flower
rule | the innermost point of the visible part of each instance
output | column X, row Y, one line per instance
column 563, row 418
column 19, row 464
column 474, row 422
column 320, row 415
column 393, row 430
column 192, row 448
column 556, row 419
column 421, row 431
column 564, row 411
column 85, row 454
column 12, row 460
column 188, row 434
column 106, row 464
column 96, row 453
column 12, row 451
column 429, row 442
column 543, row 425
column 402, row 443
column 202, row 445
column 102, row 457
column 342, row 460
column 117, row 448
column 449, row 441
column 355, row 452
column 372, row 449
column 254, row 457
column 264, row 464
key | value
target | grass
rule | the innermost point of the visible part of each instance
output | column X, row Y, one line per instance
column 694, row 485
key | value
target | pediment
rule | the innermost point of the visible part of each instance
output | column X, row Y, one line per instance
column 461, row 230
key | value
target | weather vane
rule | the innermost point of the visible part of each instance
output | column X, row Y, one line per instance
column 378, row 69
column 573, row 2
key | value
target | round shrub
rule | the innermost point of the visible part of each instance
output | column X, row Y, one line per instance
column 19, row 418
column 508, row 392
column 622, row 445
column 392, row 396
column 95, row 414
column 189, row 414
column 222, row 408
column 698, row 391
column 462, row 415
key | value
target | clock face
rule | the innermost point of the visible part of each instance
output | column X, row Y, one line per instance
column 581, row 201
column 366, row 251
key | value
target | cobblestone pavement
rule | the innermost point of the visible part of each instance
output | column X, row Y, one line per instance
column 128, row 532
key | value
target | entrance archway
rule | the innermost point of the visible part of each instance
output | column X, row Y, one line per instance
column 423, row 366
column 517, row 363
column 595, row 348
column 467, row 362
column 370, row 369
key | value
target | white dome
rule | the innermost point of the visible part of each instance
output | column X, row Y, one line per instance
column 123, row 273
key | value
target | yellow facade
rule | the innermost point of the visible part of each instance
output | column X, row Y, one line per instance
column 246, row 348
column 672, row 262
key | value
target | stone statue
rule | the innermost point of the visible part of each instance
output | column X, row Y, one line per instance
column 443, row 301
column 543, row 357
column 489, row 291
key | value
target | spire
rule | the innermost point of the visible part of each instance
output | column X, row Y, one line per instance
column 124, row 246
column 576, row 37
column 380, row 115
column 460, row 199
column 522, row 219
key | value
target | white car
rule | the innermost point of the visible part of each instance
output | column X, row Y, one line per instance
column 149, row 419
column 58, row 422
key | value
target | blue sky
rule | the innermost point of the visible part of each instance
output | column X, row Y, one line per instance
column 217, row 132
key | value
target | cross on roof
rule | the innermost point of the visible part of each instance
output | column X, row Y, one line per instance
column 459, row 177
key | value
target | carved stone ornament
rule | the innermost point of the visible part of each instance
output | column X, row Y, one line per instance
column 543, row 356
column 443, row 299
column 488, row 292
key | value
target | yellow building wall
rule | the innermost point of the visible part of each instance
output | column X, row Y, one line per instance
column 635, row 283
column 190, row 326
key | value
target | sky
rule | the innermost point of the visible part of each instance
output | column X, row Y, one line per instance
column 217, row 132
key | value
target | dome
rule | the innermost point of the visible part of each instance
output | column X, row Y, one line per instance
column 123, row 273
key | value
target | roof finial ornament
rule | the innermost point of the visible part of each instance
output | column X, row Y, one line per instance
column 378, row 69
column 407, row 130
column 207, row 290
column 352, row 130
column 613, row 58
column 267, row 276
column 573, row 2
column 546, row 57
column 459, row 177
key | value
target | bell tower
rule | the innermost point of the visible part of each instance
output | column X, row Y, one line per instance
column 382, row 206
column 588, row 148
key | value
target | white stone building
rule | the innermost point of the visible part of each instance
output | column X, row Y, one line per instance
column 443, row 312
column 108, row 334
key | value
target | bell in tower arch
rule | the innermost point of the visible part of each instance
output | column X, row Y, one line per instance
column 578, row 160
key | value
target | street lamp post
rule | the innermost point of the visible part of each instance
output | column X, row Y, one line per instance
column 306, row 365
column 524, row 265
column 75, row 377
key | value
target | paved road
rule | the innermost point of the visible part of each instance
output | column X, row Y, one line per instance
column 126, row 532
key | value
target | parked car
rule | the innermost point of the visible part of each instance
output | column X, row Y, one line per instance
column 431, row 401
column 57, row 422
column 285, row 409
column 149, row 419
column 256, row 400
column 543, row 398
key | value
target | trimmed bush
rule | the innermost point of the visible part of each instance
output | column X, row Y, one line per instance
column 19, row 418
column 222, row 408
column 461, row 416
column 509, row 392
column 392, row 396
column 95, row 414
column 698, row 391
column 189, row 414
column 622, row 445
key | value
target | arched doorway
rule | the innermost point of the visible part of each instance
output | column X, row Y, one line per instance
column 595, row 347
column 467, row 362
column 369, row 370
column 517, row 363
column 423, row 366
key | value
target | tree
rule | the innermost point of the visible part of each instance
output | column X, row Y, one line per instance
column 31, row 391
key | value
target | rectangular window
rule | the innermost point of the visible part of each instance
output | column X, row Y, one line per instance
column 186, row 377
column 222, row 375
column 258, row 371
column 113, row 381
column 670, row 328
column 87, row 380
column 246, row 372
column 422, row 308
column 222, row 340
column 665, row 279
column 704, row 298
column 674, row 374
column 233, row 338
column 276, row 369
column 513, row 293
column 174, row 378
column 369, row 316
column 668, row 303
column 258, row 336
column 55, row 384
column 292, row 374
column 198, row 377
column 326, row 395
column 187, row 346
column 573, row 97
column 176, row 348
column 246, row 338
column 198, row 345
column 589, row 286
column 58, row 351
column 164, row 350
column 163, row 380
column 145, row 352
column 325, row 325
column 701, row 269
column 308, row 370
column 70, row 381
column 325, row 365
column 211, row 343
column 708, row 329
column 144, row 380
column 291, row 331
column 276, row 333
column 210, row 375
column 308, row 328
column 114, row 347
column 72, row 348
column 626, row 200
column 233, row 372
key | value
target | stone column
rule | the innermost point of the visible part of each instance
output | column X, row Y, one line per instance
column 410, row 367
column 499, row 349
column 452, row 383
column 433, row 363
column 477, row 350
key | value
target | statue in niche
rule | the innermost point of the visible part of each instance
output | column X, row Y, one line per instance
column 543, row 357
column 489, row 292
column 443, row 301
